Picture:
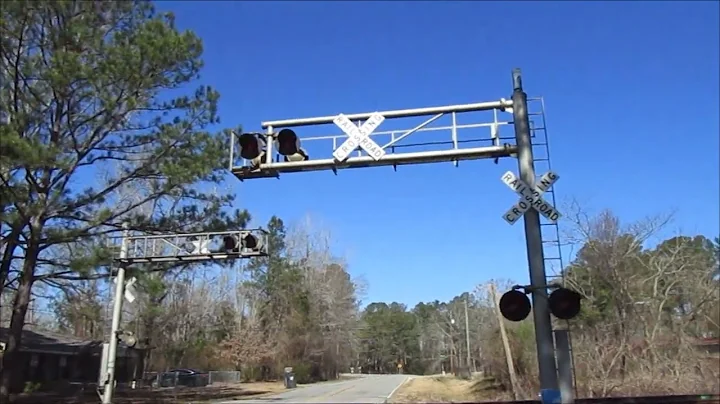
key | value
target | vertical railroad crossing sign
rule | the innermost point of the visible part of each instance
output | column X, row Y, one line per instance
column 129, row 289
column 530, row 198
column 358, row 136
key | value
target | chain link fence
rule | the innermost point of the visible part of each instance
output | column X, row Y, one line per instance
column 224, row 376
column 177, row 379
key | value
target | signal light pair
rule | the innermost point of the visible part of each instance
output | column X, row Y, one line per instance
column 230, row 244
column 564, row 304
column 248, row 241
column 254, row 145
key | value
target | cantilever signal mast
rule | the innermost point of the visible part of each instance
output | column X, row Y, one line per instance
column 159, row 248
column 278, row 151
column 255, row 151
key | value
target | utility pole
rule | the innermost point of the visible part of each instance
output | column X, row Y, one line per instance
column 467, row 333
column 117, row 312
column 506, row 343
column 452, row 354
column 533, row 239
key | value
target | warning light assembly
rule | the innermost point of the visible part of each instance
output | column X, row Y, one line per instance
column 564, row 303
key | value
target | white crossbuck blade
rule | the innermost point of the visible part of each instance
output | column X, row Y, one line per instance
column 129, row 289
column 531, row 198
column 200, row 246
column 358, row 136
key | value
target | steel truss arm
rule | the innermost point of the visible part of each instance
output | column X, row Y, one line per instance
column 194, row 247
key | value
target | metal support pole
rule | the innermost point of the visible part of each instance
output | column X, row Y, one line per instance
column 564, row 364
column 467, row 335
column 117, row 312
column 533, row 239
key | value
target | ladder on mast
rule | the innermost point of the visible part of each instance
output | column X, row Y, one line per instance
column 552, row 247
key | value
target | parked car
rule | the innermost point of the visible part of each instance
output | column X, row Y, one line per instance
column 184, row 377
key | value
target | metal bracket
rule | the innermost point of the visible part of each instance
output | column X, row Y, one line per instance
column 528, row 289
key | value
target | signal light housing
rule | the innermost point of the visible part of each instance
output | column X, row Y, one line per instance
column 230, row 245
column 251, row 242
column 288, row 145
column 565, row 303
column 128, row 338
column 252, row 147
column 515, row 305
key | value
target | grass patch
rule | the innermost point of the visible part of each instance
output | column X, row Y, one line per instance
column 448, row 389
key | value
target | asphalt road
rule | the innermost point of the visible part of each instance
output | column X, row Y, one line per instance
column 367, row 389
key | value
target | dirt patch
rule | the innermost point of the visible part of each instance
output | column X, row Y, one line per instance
column 448, row 389
column 162, row 395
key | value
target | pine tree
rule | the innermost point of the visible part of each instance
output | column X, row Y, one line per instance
column 93, row 88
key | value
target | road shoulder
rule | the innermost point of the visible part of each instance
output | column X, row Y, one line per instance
column 446, row 389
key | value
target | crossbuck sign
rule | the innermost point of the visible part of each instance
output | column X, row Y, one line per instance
column 129, row 289
column 358, row 136
column 530, row 198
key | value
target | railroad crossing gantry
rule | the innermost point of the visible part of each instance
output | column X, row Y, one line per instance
column 256, row 150
column 167, row 248
column 279, row 150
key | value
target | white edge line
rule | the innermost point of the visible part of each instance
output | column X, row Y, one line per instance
column 407, row 379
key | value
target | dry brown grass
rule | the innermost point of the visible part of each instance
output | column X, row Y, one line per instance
column 447, row 389
column 162, row 395
column 254, row 390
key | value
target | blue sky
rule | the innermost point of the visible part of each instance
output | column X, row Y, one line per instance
column 631, row 91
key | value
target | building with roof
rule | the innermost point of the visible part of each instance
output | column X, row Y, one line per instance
column 47, row 358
